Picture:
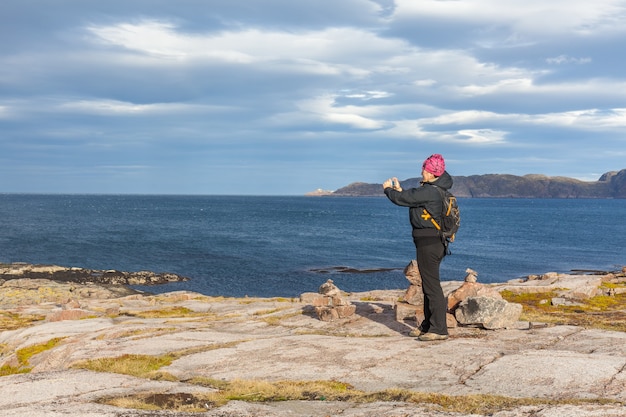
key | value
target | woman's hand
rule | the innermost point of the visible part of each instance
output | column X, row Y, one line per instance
column 392, row 183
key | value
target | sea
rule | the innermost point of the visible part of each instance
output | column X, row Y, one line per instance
column 283, row 246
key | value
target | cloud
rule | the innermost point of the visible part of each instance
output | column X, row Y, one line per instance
column 326, row 110
column 482, row 136
column 564, row 59
column 327, row 92
column 521, row 85
column 120, row 108
column 588, row 119
column 530, row 19
column 307, row 51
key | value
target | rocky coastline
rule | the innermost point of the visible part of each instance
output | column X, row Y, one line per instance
column 77, row 275
column 53, row 330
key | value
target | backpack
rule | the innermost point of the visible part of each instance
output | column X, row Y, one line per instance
column 450, row 216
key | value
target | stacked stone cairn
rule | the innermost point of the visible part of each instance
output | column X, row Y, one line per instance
column 329, row 303
column 471, row 304
column 412, row 304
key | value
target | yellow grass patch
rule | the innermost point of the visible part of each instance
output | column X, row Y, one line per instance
column 7, row 370
column 170, row 312
column 265, row 391
column 12, row 321
column 25, row 354
column 142, row 366
column 178, row 402
column 277, row 319
column 145, row 366
column 138, row 333
column 600, row 312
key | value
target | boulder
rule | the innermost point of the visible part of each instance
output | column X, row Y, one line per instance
column 406, row 311
column 490, row 313
column 470, row 289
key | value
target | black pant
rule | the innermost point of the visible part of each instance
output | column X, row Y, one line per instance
column 430, row 251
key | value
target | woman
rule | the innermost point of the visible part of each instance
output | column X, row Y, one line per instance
column 424, row 202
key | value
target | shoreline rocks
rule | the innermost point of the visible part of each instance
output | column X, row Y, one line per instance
column 20, row 270
column 276, row 339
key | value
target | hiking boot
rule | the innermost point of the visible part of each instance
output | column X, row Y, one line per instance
column 429, row 337
column 416, row 332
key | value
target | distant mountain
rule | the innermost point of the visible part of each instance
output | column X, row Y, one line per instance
column 609, row 185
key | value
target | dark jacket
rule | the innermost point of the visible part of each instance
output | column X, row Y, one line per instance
column 417, row 199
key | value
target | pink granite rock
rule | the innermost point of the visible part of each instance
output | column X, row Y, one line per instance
column 470, row 289
column 490, row 313
column 414, row 294
column 329, row 304
column 74, row 314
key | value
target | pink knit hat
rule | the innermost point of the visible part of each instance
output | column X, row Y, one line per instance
column 434, row 164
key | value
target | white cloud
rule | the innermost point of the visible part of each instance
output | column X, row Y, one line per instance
column 447, row 124
column 425, row 83
column 353, row 120
column 466, row 117
column 530, row 17
column 116, row 108
column 564, row 59
column 362, row 55
column 151, row 37
column 426, row 75
column 444, row 68
column 367, row 95
column 522, row 85
column 418, row 129
column 565, row 92
column 325, row 109
column 110, row 107
column 482, row 136
column 324, row 51
column 590, row 119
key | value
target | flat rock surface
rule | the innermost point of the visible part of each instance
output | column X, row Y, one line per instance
column 282, row 339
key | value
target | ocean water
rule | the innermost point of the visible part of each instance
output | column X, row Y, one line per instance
column 284, row 246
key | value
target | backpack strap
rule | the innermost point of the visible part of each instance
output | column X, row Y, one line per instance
column 427, row 216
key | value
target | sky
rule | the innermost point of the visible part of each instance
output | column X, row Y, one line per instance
column 283, row 97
